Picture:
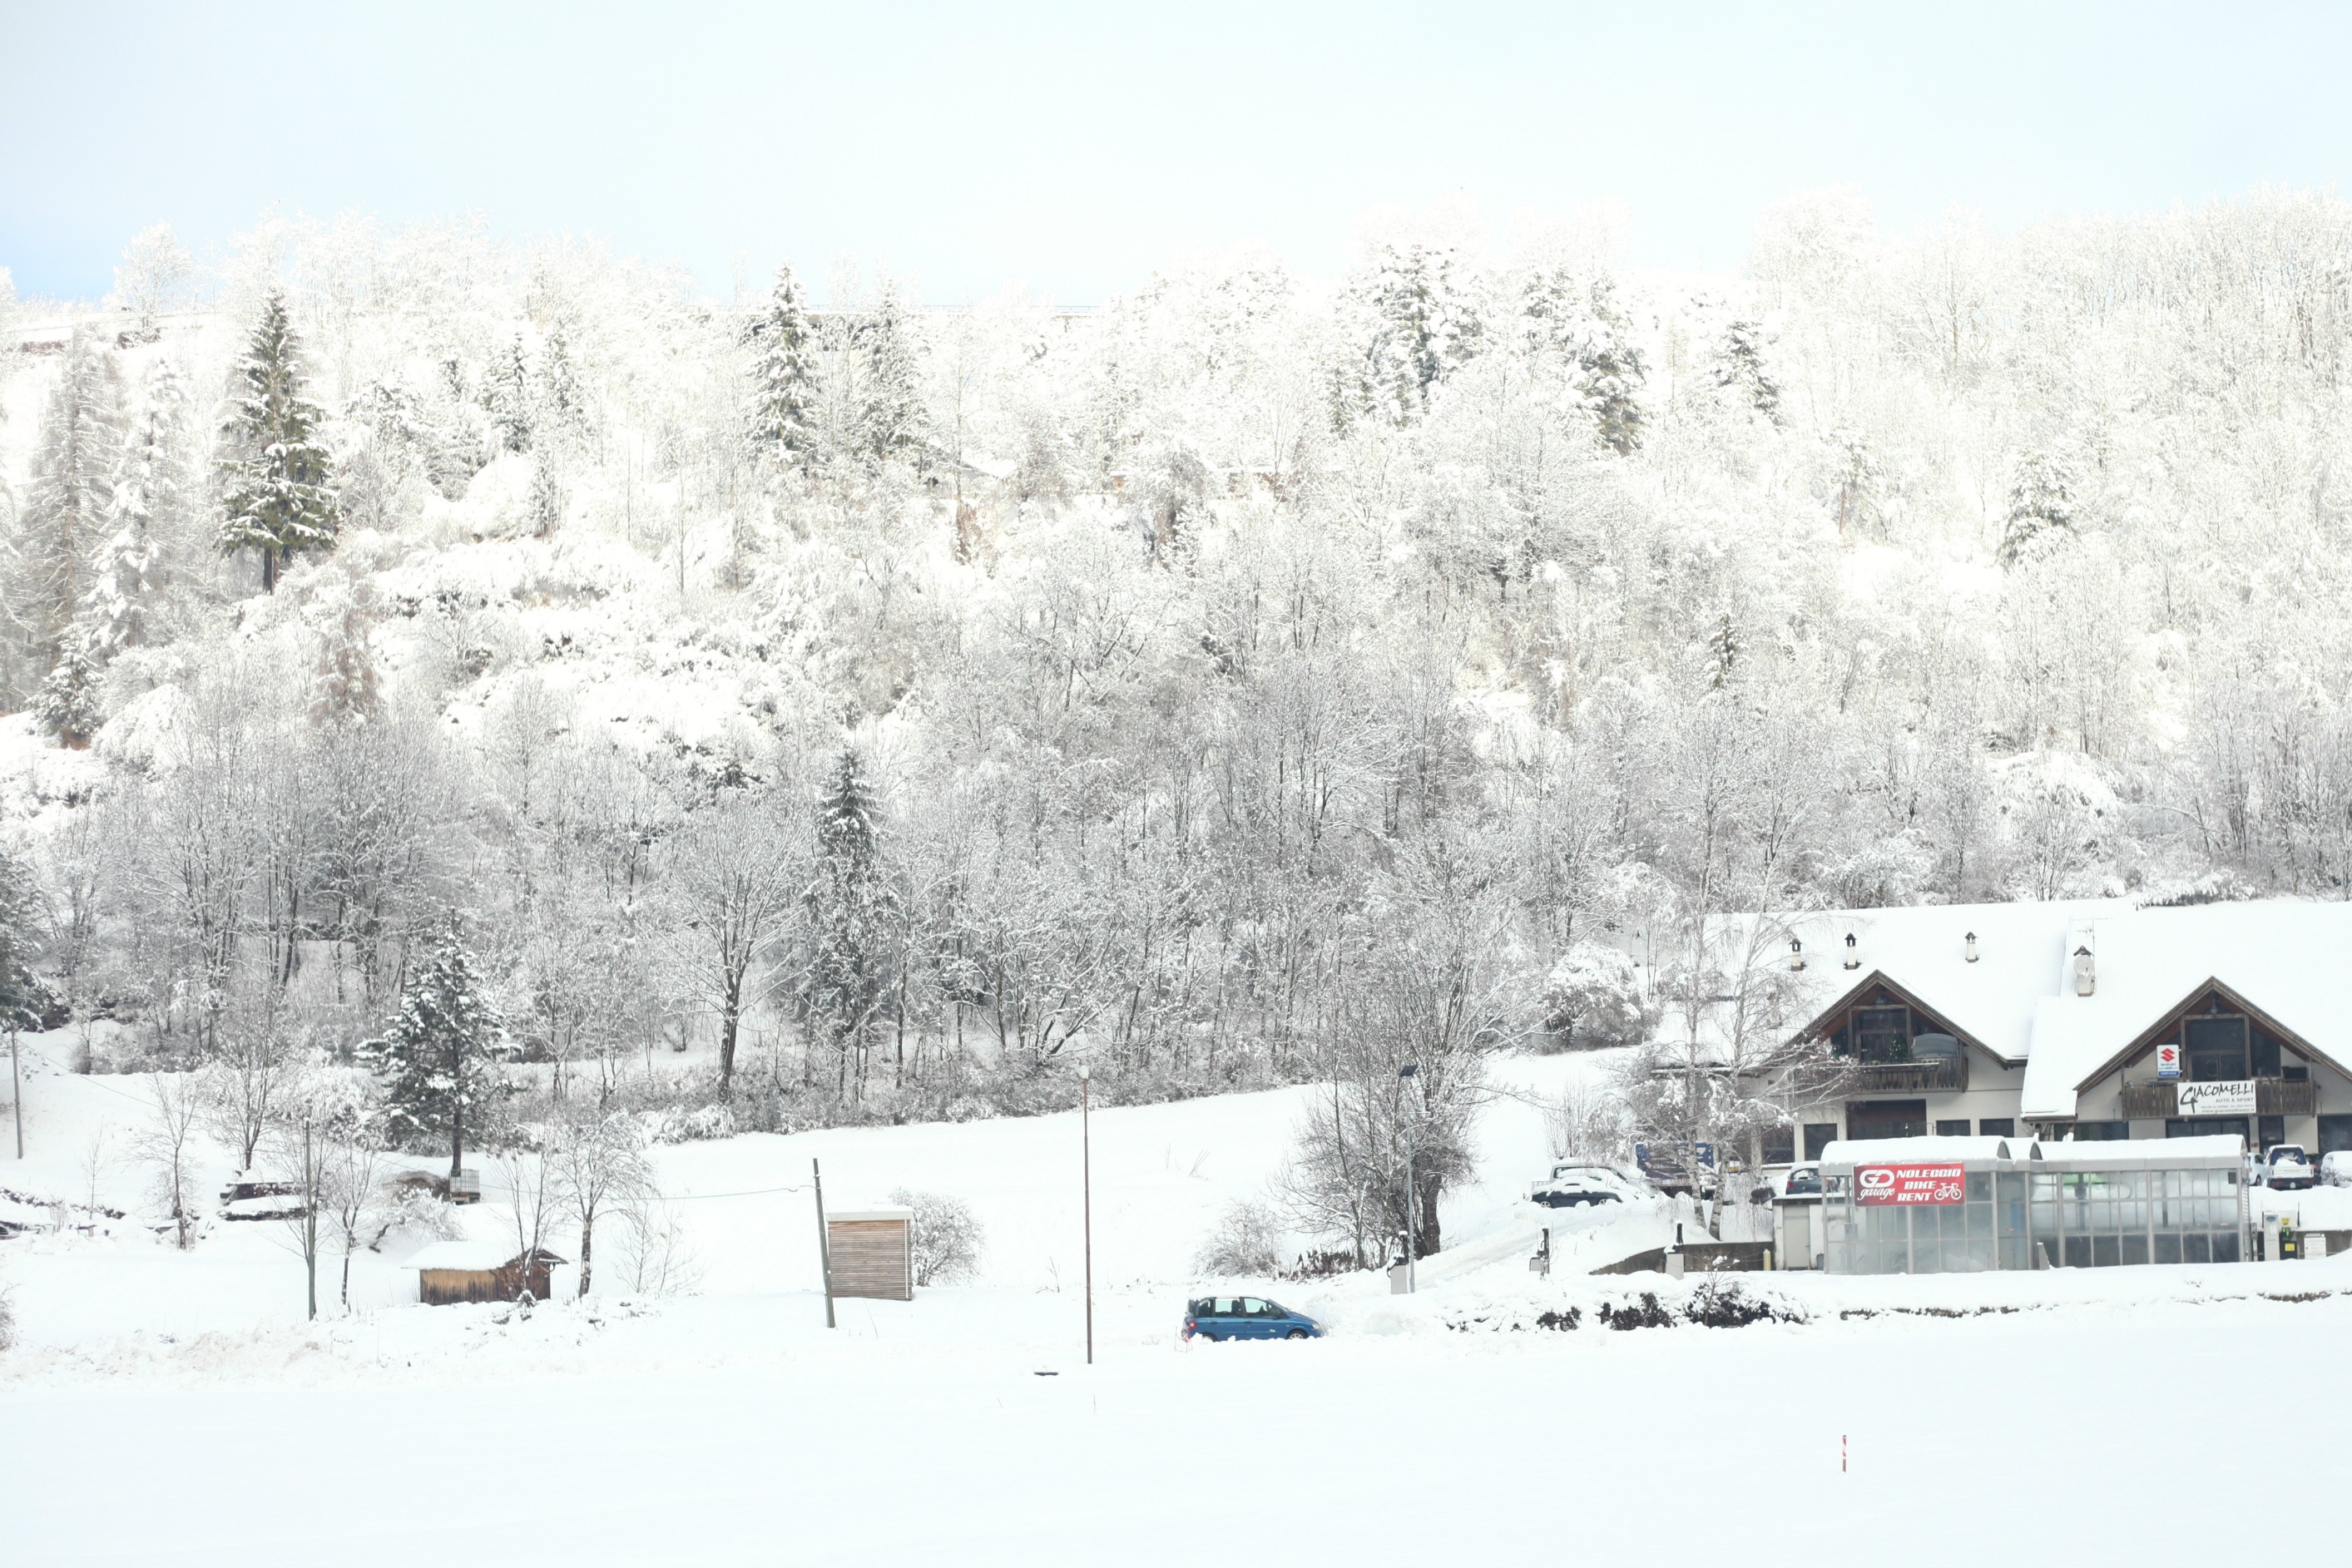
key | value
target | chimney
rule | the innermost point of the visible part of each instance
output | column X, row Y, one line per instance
column 1796, row 953
column 2082, row 978
column 1973, row 946
column 1851, row 962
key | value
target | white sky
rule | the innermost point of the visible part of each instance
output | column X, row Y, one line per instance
column 1076, row 148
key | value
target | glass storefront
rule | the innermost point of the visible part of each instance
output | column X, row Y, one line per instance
column 2024, row 1214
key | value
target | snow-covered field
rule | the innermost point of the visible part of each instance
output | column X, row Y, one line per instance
column 170, row 1407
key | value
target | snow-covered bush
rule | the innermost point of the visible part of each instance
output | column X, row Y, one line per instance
column 1592, row 999
column 946, row 1240
column 1245, row 1244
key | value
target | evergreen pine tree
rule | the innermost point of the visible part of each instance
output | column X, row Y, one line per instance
column 782, row 426
column 547, row 497
column 67, row 707
column 1739, row 369
column 274, row 481
column 893, row 416
column 439, row 1061
column 509, row 398
column 72, row 497
column 2041, row 508
column 1576, row 322
column 563, row 400
column 849, row 909
column 153, row 501
column 1419, row 326
column 344, row 684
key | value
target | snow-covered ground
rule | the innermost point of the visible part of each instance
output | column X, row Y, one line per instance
column 168, row 1406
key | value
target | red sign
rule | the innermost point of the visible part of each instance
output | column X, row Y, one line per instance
column 1909, row 1184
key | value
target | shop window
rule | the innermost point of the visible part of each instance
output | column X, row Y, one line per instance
column 2205, row 1127
column 1780, row 1146
column 1887, row 1119
column 1818, row 1136
column 2335, row 1134
column 2274, row 1132
column 1958, row 1129
column 2102, row 1131
column 2215, row 1048
column 1997, row 1126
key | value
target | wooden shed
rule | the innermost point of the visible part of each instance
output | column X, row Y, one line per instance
column 872, row 1252
column 449, row 1273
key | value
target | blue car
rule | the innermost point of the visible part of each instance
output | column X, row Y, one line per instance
column 1246, row 1317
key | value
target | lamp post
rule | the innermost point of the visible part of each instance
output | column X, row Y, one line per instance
column 1087, row 1196
column 1412, row 1197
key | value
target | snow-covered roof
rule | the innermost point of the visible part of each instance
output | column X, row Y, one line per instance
column 1924, row 952
column 1921, row 1150
column 852, row 1215
column 473, row 1256
column 2118, row 1152
column 2278, row 955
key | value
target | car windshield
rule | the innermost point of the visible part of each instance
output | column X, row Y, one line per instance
column 2287, row 1152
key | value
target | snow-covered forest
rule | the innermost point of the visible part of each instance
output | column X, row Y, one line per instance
column 802, row 715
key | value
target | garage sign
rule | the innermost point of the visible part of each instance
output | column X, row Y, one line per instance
column 1909, row 1184
column 2167, row 1059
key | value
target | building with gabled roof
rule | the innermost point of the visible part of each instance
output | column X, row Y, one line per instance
column 2090, row 1020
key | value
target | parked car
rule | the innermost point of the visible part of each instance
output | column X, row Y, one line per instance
column 1804, row 1181
column 1574, row 1184
column 2289, row 1168
column 2335, row 1167
column 1246, row 1317
column 1674, row 1169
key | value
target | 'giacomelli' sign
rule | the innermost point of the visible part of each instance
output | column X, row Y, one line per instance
column 1909, row 1184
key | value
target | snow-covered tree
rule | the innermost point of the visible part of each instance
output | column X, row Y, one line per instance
column 68, row 705
column 508, row 396
column 153, row 507
column 849, row 921
column 1418, row 323
column 1740, row 370
column 275, row 488
column 1574, row 322
column 2041, row 515
column 152, row 278
column 1592, row 999
column 893, row 419
column 70, row 498
column 439, row 1061
column 780, row 426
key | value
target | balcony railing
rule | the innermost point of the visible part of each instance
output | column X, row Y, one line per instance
column 1929, row 1075
column 2272, row 1097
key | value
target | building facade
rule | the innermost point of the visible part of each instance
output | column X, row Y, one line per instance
column 2065, row 1023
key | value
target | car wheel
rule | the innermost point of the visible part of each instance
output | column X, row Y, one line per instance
column 1295, row 1334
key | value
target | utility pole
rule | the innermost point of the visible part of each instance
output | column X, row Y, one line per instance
column 1412, row 1197
column 823, row 1242
column 1087, row 1196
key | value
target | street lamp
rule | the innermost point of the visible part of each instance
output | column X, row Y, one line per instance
column 1412, row 1197
column 1086, row 1194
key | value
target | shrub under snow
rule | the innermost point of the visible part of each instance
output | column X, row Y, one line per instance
column 946, row 1240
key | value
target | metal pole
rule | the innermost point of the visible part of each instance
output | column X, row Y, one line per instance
column 16, row 1089
column 824, row 1244
column 1086, row 1194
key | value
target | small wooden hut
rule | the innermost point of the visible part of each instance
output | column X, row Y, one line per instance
column 449, row 1273
column 872, row 1252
